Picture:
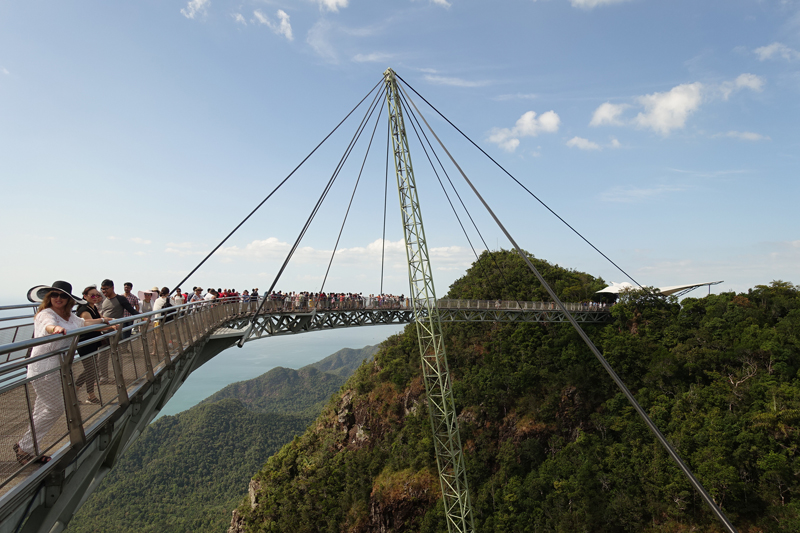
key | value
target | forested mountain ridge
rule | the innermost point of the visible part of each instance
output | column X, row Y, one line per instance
column 550, row 444
column 186, row 472
column 302, row 392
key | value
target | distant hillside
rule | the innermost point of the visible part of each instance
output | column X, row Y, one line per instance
column 302, row 392
column 186, row 472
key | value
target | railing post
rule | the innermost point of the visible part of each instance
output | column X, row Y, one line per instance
column 176, row 320
column 167, row 353
column 148, row 363
column 122, row 390
column 77, row 437
column 191, row 322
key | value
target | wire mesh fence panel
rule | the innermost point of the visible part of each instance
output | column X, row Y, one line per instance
column 138, row 356
column 49, row 419
column 150, row 337
column 105, row 375
column 16, row 422
column 86, row 379
column 172, row 339
column 11, row 334
column 129, row 370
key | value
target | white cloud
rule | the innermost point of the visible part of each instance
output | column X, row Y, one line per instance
column 332, row 5
column 528, row 125
column 517, row 96
column 744, row 81
column 375, row 57
column 636, row 194
column 139, row 240
column 112, row 238
column 589, row 4
column 238, row 17
column 583, row 144
column 181, row 252
column 5, row 71
column 667, row 111
column 195, row 8
column 608, row 113
column 615, row 143
column 443, row 258
column 443, row 3
column 184, row 245
column 318, row 38
column 776, row 49
column 746, row 136
column 283, row 27
column 455, row 82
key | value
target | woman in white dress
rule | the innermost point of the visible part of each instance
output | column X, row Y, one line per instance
column 54, row 317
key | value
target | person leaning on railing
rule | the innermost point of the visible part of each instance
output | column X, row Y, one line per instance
column 89, row 311
column 53, row 317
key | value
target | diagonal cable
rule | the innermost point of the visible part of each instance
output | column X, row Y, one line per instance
column 314, row 211
column 349, row 205
column 217, row 247
column 521, row 185
column 718, row 512
column 474, row 225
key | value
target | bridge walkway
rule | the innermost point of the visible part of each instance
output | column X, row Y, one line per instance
column 144, row 371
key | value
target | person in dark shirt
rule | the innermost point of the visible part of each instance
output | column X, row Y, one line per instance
column 113, row 307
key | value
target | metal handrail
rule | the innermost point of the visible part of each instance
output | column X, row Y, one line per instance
column 134, row 360
column 283, row 306
column 144, row 356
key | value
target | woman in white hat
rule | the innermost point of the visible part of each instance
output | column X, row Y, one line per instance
column 53, row 317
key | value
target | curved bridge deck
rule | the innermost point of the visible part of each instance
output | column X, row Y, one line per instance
column 144, row 371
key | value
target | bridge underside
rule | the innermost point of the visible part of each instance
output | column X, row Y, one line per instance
column 269, row 325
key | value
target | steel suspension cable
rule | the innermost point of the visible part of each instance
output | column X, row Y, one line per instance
column 478, row 259
column 314, row 211
column 217, row 247
column 576, row 232
column 718, row 512
column 352, row 196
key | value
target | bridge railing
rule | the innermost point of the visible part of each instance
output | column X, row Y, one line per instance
column 515, row 305
column 41, row 405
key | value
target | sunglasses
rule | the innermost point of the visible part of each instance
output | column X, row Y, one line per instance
column 95, row 296
column 54, row 295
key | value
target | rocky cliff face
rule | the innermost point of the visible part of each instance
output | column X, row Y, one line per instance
column 352, row 428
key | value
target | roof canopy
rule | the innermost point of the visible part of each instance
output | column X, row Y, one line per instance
column 616, row 288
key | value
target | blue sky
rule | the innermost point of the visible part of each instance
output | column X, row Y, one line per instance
column 135, row 135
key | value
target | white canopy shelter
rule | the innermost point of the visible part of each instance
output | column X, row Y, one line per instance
column 677, row 290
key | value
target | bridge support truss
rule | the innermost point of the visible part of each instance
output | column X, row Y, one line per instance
column 447, row 442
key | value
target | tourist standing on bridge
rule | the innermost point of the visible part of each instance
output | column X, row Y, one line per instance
column 198, row 295
column 134, row 301
column 89, row 311
column 114, row 306
column 178, row 299
column 54, row 317
column 161, row 302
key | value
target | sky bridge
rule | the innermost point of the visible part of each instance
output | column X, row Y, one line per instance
column 146, row 369
column 136, row 375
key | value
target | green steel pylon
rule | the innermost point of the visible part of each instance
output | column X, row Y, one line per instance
column 447, row 443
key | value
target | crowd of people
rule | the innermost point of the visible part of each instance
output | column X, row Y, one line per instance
column 57, row 315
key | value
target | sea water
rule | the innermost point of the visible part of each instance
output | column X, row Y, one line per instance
column 260, row 356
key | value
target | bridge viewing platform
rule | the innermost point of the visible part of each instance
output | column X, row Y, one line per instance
column 135, row 377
